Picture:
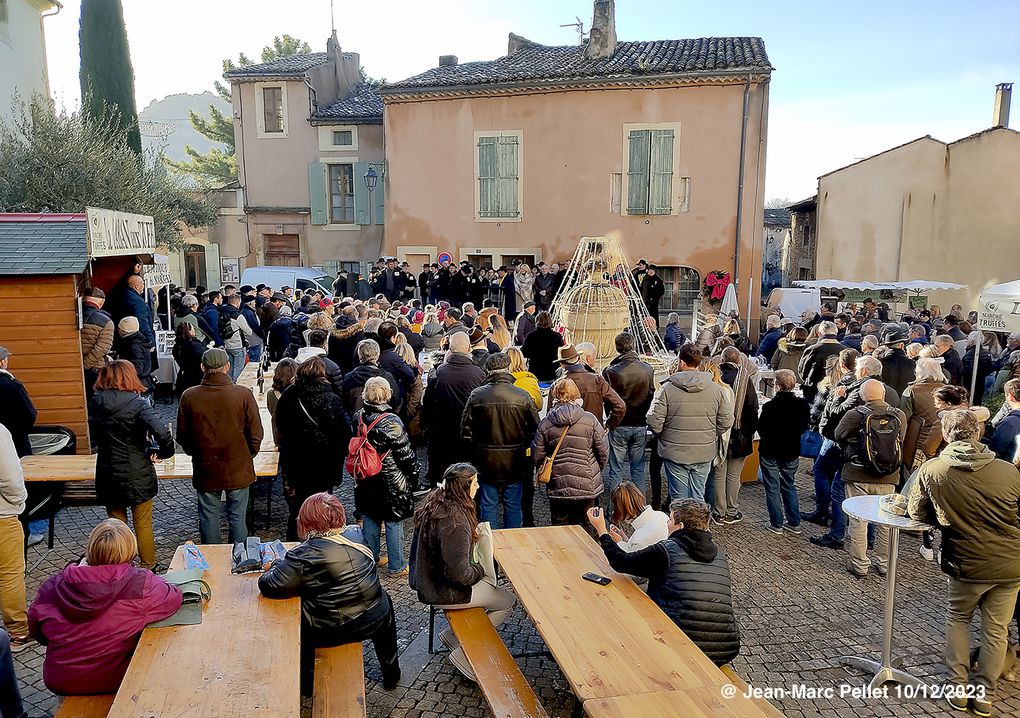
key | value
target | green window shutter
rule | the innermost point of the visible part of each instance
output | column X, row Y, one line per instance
column 508, row 155
column 317, row 193
column 488, row 201
column 380, row 200
column 639, row 149
column 660, row 191
column 362, row 204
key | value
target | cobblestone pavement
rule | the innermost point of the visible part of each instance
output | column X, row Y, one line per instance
column 799, row 612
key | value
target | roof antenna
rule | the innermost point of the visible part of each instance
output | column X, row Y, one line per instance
column 332, row 19
column 579, row 27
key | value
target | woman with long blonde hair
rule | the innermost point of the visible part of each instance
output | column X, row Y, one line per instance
column 524, row 379
column 499, row 333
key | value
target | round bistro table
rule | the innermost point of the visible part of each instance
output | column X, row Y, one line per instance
column 887, row 670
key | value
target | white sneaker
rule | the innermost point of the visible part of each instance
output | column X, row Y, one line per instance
column 460, row 662
column 449, row 640
column 927, row 554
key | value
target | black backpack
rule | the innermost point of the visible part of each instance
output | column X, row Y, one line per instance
column 881, row 451
column 224, row 327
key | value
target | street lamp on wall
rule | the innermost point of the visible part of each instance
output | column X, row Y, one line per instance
column 371, row 179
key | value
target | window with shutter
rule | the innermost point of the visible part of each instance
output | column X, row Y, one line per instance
column 341, row 194
column 498, row 176
column 650, row 166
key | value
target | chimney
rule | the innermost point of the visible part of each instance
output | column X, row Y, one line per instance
column 602, row 36
column 1003, row 92
column 447, row 60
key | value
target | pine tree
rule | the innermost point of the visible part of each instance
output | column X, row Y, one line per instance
column 107, row 79
column 218, row 166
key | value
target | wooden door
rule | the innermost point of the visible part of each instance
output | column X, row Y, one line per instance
column 282, row 250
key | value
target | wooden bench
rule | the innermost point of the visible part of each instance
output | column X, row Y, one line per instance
column 504, row 686
column 766, row 707
column 339, row 688
column 85, row 706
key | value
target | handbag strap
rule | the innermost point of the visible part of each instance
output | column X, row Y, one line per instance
column 552, row 457
column 302, row 405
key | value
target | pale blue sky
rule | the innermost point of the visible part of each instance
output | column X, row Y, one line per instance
column 851, row 79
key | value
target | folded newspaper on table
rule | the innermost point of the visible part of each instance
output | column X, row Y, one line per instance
column 483, row 553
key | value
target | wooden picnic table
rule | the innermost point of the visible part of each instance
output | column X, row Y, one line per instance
column 243, row 660
column 82, row 467
column 609, row 641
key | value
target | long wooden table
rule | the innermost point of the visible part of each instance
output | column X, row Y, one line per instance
column 609, row 641
column 74, row 467
column 702, row 702
column 243, row 660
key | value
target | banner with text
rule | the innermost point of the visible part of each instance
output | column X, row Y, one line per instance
column 115, row 234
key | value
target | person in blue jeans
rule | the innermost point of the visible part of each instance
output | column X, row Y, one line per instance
column 498, row 425
column 634, row 380
column 783, row 420
column 688, row 417
column 10, row 698
column 386, row 498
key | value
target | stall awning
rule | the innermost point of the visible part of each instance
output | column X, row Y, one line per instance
column 912, row 285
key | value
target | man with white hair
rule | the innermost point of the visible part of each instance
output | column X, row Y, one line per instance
column 872, row 438
column 443, row 406
column 842, row 400
column 353, row 386
column 973, row 498
column 945, row 345
column 812, row 364
column 770, row 339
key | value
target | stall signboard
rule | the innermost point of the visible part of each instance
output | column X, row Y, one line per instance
column 858, row 296
column 158, row 275
column 164, row 343
column 999, row 314
column 918, row 302
column 115, row 234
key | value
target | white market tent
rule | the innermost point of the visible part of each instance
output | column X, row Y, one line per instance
column 913, row 285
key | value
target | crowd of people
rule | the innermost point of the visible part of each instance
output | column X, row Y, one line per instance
column 501, row 403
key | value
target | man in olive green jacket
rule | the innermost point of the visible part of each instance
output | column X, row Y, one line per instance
column 973, row 498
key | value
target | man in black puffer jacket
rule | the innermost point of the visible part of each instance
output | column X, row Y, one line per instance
column 688, row 577
column 498, row 425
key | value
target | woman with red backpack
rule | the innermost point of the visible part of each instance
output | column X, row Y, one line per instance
column 385, row 470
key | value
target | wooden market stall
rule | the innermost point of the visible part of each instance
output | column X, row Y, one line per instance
column 46, row 260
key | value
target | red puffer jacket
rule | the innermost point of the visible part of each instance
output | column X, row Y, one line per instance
column 577, row 468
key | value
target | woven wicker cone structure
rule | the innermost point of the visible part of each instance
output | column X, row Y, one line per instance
column 598, row 299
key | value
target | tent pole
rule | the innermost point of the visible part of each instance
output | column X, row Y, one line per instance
column 974, row 372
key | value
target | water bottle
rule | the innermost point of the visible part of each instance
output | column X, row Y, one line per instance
column 170, row 463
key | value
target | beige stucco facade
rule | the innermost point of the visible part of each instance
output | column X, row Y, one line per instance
column 926, row 210
column 572, row 143
column 274, row 174
column 22, row 52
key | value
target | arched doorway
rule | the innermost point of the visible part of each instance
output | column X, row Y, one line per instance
column 194, row 265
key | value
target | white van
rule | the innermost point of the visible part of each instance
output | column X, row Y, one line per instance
column 294, row 277
column 793, row 301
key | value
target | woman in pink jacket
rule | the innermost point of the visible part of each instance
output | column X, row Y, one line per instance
column 90, row 615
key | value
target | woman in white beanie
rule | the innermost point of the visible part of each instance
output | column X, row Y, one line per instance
column 131, row 344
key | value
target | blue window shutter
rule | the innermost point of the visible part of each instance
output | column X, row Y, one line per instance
column 639, row 149
column 660, row 199
column 507, row 165
column 362, row 205
column 317, row 192
column 380, row 200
